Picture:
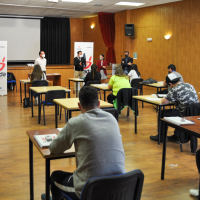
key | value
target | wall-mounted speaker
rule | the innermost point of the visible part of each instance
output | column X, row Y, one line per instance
column 129, row 29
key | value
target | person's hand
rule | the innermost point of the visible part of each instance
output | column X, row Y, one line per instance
column 104, row 67
column 122, row 61
column 80, row 63
column 129, row 63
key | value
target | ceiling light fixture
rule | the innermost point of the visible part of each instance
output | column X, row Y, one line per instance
column 78, row 1
column 125, row 3
column 21, row 16
column 167, row 37
column 92, row 26
column 53, row 1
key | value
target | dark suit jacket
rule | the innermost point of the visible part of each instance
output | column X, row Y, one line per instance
column 77, row 65
column 125, row 64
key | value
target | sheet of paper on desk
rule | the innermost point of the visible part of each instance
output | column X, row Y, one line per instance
column 42, row 141
column 161, row 95
column 59, row 129
column 153, row 99
column 72, row 149
column 179, row 120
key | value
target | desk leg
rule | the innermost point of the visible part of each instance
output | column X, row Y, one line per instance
column 47, row 179
column 69, row 84
column 25, row 89
column 136, row 111
column 70, row 114
column 32, row 102
column 76, row 89
column 31, row 169
column 159, row 123
column 104, row 95
column 164, row 152
column 21, row 91
column 39, row 109
column 56, row 118
column 69, row 94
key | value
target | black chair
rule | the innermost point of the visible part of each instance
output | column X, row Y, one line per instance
column 88, row 83
column 125, row 98
column 116, row 187
column 198, row 165
column 112, row 111
column 136, row 84
column 39, row 83
column 13, row 83
column 50, row 96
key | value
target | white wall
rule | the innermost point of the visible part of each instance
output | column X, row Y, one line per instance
column 23, row 37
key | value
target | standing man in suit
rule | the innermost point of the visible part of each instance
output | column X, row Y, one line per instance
column 126, row 63
column 79, row 63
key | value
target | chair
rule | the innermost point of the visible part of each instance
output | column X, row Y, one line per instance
column 11, row 81
column 50, row 96
column 125, row 99
column 39, row 83
column 88, row 83
column 136, row 84
column 126, row 186
column 112, row 111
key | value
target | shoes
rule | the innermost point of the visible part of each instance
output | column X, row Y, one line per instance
column 194, row 193
column 36, row 102
column 155, row 138
column 173, row 138
column 43, row 197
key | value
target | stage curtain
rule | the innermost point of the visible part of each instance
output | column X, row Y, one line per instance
column 55, row 40
column 107, row 26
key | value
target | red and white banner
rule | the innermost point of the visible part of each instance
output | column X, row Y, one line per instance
column 87, row 49
column 3, row 68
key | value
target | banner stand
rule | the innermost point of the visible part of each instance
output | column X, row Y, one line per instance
column 3, row 68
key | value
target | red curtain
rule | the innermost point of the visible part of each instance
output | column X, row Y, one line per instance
column 107, row 26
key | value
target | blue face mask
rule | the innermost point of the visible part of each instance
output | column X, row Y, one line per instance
column 101, row 58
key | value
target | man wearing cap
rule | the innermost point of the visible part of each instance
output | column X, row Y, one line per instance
column 181, row 94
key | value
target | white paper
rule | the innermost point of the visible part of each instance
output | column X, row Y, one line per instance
column 154, row 95
column 160, row 82
column 153, row 99
column 161, row 95
column 60, row 129
column 178, row 120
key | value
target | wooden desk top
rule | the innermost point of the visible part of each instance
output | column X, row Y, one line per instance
column 53, row 74
column 157, row 101
column 101, row 87
column 72, row 103
column 45, row 151
column 25, row 81
column 156, row 85
column 194, row 128
column 76, row 79
column 48, row 88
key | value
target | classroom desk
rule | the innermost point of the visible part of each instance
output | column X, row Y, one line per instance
column 72, row 105
column 47, row 156
column 190, row 129
column 55, row 77
column 44, row 90
column 76, row 80
column 25, row 82
column 157, row 85
column 153, row 102
column 102, row 87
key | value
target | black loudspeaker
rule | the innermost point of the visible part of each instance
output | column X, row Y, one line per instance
column 129, row 29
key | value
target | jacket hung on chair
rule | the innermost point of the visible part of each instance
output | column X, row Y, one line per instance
column 149, row 81
column 125, row 98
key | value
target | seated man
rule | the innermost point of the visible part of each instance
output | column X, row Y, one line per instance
column 181, row 94
column 171, row 69
column 98, row 146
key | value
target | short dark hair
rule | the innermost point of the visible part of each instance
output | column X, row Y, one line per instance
column 88, row 97
column 171, row 66
column 126, row 52
column 102, row 55
column 78, row 52
column 40, row 52
column 168, row 81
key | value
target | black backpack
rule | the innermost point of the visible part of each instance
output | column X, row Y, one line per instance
column 26, row 103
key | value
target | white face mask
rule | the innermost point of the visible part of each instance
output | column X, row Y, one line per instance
column 43, row 55
column 80, row 56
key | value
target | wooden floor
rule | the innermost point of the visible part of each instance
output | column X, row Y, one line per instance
column 141, row 153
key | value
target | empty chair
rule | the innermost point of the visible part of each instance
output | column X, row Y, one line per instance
column 136, row 84
column 50, row 96
column 11, row 81
column 116, row 187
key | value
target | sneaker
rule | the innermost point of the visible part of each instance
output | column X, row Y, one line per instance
column 194, row 193
column 155, row 138
column 36, row 102
column 173, row 138
column 43, row 197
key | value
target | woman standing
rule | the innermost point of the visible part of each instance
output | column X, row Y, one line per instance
column 101, row 65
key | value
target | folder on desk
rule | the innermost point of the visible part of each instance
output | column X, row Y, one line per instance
column 179, row 120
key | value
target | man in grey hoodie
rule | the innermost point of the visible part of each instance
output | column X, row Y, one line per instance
column 98, row 146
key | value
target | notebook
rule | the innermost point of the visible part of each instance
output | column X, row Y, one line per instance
column 161, row 95
column 179, row 121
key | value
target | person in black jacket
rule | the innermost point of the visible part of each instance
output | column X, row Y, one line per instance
column 126, row 63
column 79, row 63
column 93, row 75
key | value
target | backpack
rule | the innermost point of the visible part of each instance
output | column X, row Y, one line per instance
column 148, row 81
column 26, row 103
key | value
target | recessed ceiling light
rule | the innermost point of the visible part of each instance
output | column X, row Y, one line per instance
column 78, row 1
column 125, row 3
column 54, row 1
